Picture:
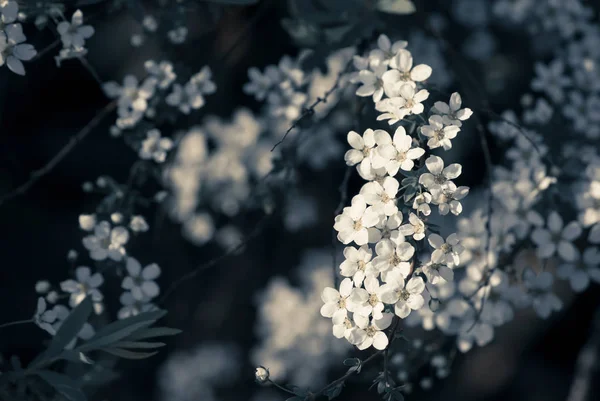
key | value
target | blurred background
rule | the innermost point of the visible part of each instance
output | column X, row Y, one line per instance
column 218, row 310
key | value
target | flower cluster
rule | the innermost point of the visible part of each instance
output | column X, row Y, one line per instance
column 13, row 49
column 389, row 218
column 73, row 36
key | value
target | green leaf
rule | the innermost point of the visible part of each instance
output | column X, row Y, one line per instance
column 63, row 384
column 125, row 354
column 400, row 7
column 121, row 329
column 154, row 332
column 68, row 330
column 138, row 344
column 351, row 361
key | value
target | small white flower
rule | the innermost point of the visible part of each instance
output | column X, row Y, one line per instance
column 382, row 197
column 133, row 306
column 155, row 147
column 86, row 285
column 391, row 257
column 451, row 113
column 354, row 221
column 13, row 49
column 439, row 176
column 369, row 332
column 74, row 34
column 556, row 239
column 436, row 272
column 397, row 153
column 386, row 50
column 372, row 83
column 138, row 224
column 361, row 150
column 544, row 302
column 448, row 198
column 387, row 230
column 141, row 281
column 87, row 222
column 403, row 70
column 367, row 300
column 163, row 72
column 44, row 318
column 585, row 268
column 337, row 302
column 439, row 135
column 405, row 298
column 421, row 203
column 415, row 227
column 445, row 252
column 107, row 242
column 356, row 263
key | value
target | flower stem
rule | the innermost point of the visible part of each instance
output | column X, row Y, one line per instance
column 16, row 322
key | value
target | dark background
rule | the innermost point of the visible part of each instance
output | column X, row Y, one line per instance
column 533, row 360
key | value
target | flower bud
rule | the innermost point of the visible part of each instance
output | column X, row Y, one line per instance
column 261, row 374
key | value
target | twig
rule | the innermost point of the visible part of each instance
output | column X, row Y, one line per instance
column 16, row 323
column 310, row 110
column 91, row 70
column 343, row 189
column 48, row 167
column 213, row 262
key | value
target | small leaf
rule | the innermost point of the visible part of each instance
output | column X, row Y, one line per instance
column 401, row 7
column 334, row 391
column 125, row 354
column 119, row 330
column 154, row 332
column 63, row 384
column 138, row 344
column 67, row 331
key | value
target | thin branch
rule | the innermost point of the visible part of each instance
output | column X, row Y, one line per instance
column 17, row 322
column 310, row 110
column 343, row 189
column 213, row 262
column 48, row 167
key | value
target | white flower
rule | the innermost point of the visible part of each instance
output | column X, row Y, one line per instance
column 394, row 154
column 141, row 281
column 391, row 257
column 551, row 79
column 405, row 298
column 438, row 133
column 86, row 285
column 261, row 84
column 373, row 305
column 44, row 318
column 162, row 72
column 186, row 98
column 387, row 230
column 386, row 50
column 12, row 48
column 132, row 99
column 343, row 326
column 382, row 197
column 372, row 83
column 87, row 222
column 421, row 203
column 447, row 198
column 557, row 239
column 74, row 34
column 438, row 176
column 412, row 100
column 540, row 287
column 403, row 70
column 585, row 268
column 415, row 227
column 436, row 272
column 155, row 147
column 107, row 242
column 357, row 261
column 138, row 224
column 368, row 333
column 354, row 221
column 361, row 150
column 133, row 306
column 451, row 113
column 445, row 252
column 337, row 302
